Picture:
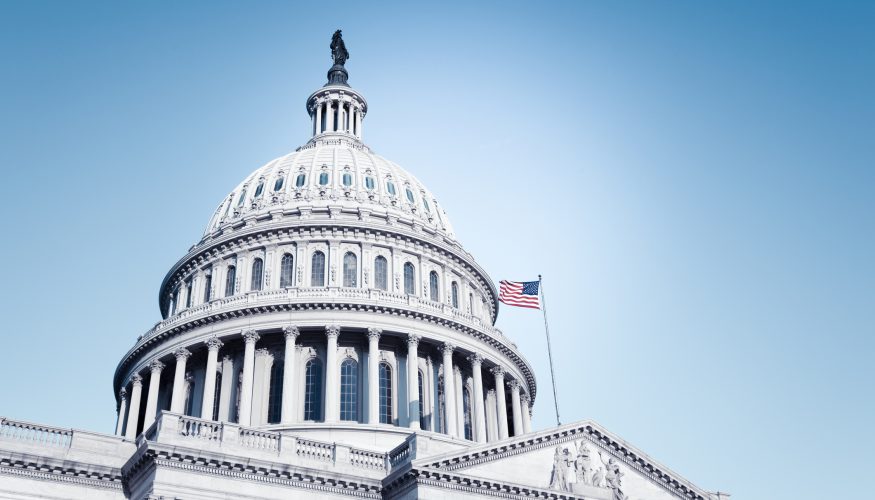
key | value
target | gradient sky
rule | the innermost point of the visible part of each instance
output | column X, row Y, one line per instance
column 695, row 181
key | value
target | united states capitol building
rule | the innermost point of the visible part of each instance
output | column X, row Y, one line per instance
column 328, row 336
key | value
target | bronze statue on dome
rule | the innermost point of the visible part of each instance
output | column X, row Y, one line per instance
column 338, row 49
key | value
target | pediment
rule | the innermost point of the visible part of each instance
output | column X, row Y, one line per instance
column 581, row 459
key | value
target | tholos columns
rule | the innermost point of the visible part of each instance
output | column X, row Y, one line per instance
column 213, row 346
column 288, row 406
column 318, row 118
column 515, row 405
column 177, row 400
column 476, row 361
column 500, row 402
column 332, row 387
column 413, row 380
column 373, row 375
column 449, row 390
column 527, row 417
column 122, row 407
column 152, row 399
column 250, row 337
column 136, row 390
column 329, row 116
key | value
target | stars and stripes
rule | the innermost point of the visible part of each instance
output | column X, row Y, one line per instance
column 520, row 293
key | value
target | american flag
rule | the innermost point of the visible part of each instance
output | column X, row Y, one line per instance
column 520, row 293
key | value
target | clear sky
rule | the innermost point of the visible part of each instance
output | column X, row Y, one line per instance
column 695, row 181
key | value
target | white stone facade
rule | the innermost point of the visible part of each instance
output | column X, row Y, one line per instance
column 328, row 336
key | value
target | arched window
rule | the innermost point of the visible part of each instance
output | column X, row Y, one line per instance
column 381, row 273
column 216, row 396
column 299, row 181
column 455, row 294
column 466, row 408
column 349, row 383
column 410, row 197
column 313, row 390
column 369, row 183
column 425, row 204
column 385, row 393
column 257, row 274
column 433, row 286
column 347, row 179
column 188, row 288
column 278, row 184
column 409, row 281
column 259, row 190
column 174, row 301
column 471, row 303
column 208, row 287
column 230, row 281
column 275, row 394
column 287, row 270
column 242, row 198
column 390, row 188
column 317, row 269
column 350, row 269
column 423, row 421
column 323, row 179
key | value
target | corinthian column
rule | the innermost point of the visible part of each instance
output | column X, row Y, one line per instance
column 122, row 407
column 449, row 390
column 413, row 380
column 476, row 361
column 329, row 115
column 288, row 407
column 515, row 405
column 318, row 129
column 374, row 375
column 156, row 367
column 332, row 384
column 527, row 417
column 136, row 390
column 177, row 400
column 213, row 345
column 501, row 402
column 250, row 337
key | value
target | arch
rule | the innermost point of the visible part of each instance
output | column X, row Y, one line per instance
column 454, row 295
column 189, row 285
column 385, row 376
column 466, row 413
column 317, row 269
column 409, row 279
column 313, row 390
column 349, row 389
column 257, row 274
column 350, row 270
column 381, row 273
column 433, row 286
column 230, row 280
column 275, row 393
column 208, row 287
column 287, row 270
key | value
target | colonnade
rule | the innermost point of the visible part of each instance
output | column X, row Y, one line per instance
column 335, row 114
column 488, row 413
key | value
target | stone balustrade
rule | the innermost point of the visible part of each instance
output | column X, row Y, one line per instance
column 35, row 434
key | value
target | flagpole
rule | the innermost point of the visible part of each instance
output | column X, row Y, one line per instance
column 549, row 349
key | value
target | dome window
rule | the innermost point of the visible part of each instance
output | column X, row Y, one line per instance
column 369, row 183
column 323, row 179
column 279, row 183
column 242, row 198
column 425, row 204
column 347, row 179
column 299, row 182
column 390, row 187
column 410, row 197
column 228, row 207
column 259, row 190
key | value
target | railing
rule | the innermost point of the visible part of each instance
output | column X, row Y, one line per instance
column 260, row 440
column 40, row 435
column 316, row 450
column 399, row 454
column 367, row 459
column 201, row 429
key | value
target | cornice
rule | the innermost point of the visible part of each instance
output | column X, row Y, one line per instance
column 36, row 467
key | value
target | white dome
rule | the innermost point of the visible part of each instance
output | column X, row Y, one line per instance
column 331, row 173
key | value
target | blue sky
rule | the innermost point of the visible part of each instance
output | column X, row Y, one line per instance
column 695, row 181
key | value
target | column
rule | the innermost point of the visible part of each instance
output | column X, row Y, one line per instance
column 491, row 420
column 250, row 337
column 361, row 117
column 122, row 408
column 288, row 408
column 527, row 417
column 228, row 387
column 136, row 390
column 500, row 402
column 332, row 384
column 318, row 121
column 213, row 345
column 413, row 380
column 152, row 399
column 479, row 416
column 516, row 407
column 449, row 390
column 374, row 375
column 329, row 118
column 341, row 119
column 354, row 120
column 177, row 400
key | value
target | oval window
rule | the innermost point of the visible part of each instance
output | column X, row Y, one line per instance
column 347, row 179
column 259, row 190
column 390, row 187
column 279, row 183
column 369, row 183
column 323, row 178
column 410, row 196
column 242, row 198
column 299, row 182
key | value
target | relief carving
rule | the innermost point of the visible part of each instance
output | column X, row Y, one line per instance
column 575, row 467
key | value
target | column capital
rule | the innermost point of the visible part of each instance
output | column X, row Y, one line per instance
column 498, row 371
column 123, row 394
column 227, row 358
column 332, row 331
column 447, row 348
column 213, row 343
column 291, row 332
column 514, row 384
column 182, row 353
column 263, row 352
column 156, row 366
column 475, row 359
column 490, row 392
column 251, row 336
column 524, row 397
column 374, row 333
column 413, row 340
column 189, row 377
column 137, row 380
